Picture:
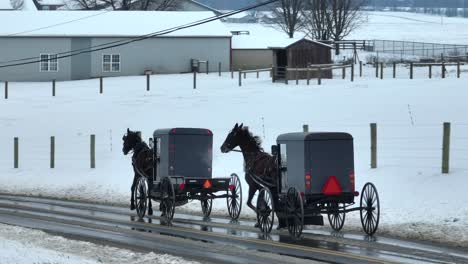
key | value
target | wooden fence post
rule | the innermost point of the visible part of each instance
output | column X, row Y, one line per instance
column 258, row 73
column 93, row 151
column 352, row 72
column 430, row 71
column 6, row 89
column 147, row 82
column 296, row 75
column 458, row 69
column 446, row 149
column 360, row 68
column 52, row 152
column 286, row 75
column 381, row 70
column 319, row 77
column 219, row 69
column 305, row 128
column 16, row 153
column 308, row 76
column 394, row 70
column 232, row 74
column 194, row 79
column 343, row 74
column 240, row 77
column 101, row 88
column 411, row 70
column 443, row 70
column 273, row 73
column 207, row 67
column 373, row 145
column 53, row 87
column 377, row 69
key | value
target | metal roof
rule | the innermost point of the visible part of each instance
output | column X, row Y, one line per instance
column 300, row 136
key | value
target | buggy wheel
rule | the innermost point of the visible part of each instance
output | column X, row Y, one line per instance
column 141, row 196
column 206, row 205
column 370, row 208
column 265, row 210
column 167, row 198
column 294, row 213
column 335, row 218
column 234, row 197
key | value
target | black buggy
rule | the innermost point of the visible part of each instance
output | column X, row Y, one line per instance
column 182, row 171
column 316, row 176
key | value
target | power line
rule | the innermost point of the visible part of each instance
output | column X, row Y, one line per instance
column 140, row 38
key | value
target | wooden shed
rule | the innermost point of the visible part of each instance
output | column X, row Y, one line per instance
column 301, row 54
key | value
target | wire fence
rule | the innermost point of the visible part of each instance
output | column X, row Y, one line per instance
column 435, row 51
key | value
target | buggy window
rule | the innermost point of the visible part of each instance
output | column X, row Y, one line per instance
column 284, row 166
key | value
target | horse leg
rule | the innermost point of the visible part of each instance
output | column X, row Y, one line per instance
column 252, row 191
column 132, row 198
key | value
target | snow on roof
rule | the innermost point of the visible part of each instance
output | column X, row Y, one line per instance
column 51, row 2
column 5, row 4
column 262, row 37
column 107, row 24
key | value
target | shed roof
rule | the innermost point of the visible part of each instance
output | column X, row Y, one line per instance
column 108, row 24
column 287, row 44
column 300, row 136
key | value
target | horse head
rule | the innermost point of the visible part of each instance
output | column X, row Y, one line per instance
column 233, row 139
column 130, row 139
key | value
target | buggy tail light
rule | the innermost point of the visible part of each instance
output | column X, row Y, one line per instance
column 172, row 148
column 307, row 180
column 352, row 180
column 356, row 194
column 182, row 186
column 207, row 184
column 209, row 132
column 232, row 187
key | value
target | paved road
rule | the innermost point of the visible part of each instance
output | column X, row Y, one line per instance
column 222, row 240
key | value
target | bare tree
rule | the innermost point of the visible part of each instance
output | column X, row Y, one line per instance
column 126, row 4
column 287, row 15
column 315, row 19
column 344, row 17
column 17, row 4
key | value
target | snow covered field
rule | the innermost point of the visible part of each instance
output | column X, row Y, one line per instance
column 417, row 201
column 23, row 245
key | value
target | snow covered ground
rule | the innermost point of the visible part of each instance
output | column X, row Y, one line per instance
column 417, row 200
column 23, row 245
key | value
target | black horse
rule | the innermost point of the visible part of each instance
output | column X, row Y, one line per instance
column 141, row 161
column 258, row 164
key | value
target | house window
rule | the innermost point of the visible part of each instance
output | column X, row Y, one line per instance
column 49, row 63
column 111, row 62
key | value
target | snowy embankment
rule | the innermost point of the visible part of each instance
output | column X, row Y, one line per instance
column 417, row 201
column 23, row 245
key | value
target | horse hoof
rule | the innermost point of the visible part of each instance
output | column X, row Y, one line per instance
column 150, row 211
column 132, row 207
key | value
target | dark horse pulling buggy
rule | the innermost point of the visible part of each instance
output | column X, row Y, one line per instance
column 181, row 170
column 312, row 174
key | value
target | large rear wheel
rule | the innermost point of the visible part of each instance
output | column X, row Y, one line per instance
column 295, row 212
column 265, row 210
column 167, row 198
column 370, row 209
column 234, row 197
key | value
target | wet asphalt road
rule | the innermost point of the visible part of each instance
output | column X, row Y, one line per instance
column 215, row 240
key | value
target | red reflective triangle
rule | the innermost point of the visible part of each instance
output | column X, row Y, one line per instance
column 332, row 186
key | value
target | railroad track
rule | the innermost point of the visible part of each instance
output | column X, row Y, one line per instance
column 223, row 241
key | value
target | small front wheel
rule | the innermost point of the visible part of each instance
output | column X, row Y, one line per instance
column 206, row 204
column 141, row 196
column 335, row 218
column 295, row 212
column 167, row 198
column 265, row 210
